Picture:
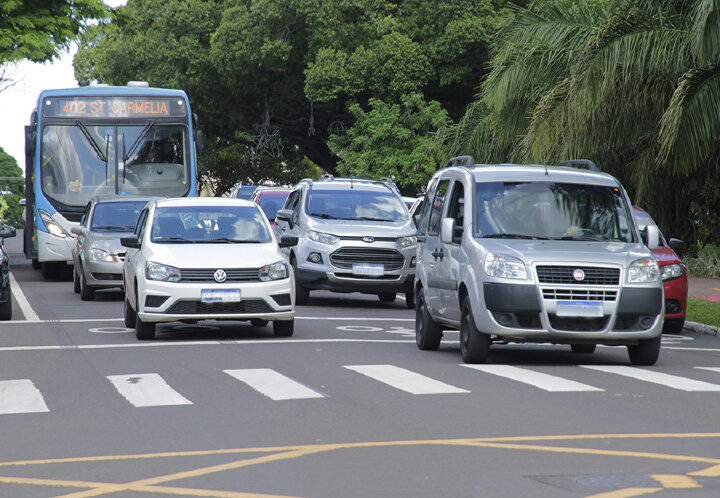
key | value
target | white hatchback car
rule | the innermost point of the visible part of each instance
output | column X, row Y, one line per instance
column 195, row 259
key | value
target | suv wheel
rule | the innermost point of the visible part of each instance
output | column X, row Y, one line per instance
column 387, row 297
column 474, row 345
column 301, row 293
column 410, row 300
column 646, row 352
column 427, row 332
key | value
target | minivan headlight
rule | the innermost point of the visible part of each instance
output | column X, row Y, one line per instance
column 324, row 238
column 502, row 266
column 670, row 272
column 275, row 271
column 164, row 273
column 53, row 226
column 408, row 241
column 99, row 256
column 643, row 270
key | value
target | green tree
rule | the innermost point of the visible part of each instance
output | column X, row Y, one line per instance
column 11, row 211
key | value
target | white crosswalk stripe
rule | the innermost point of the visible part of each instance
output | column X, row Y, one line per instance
column 405, row 380
column 148, row 389
column 673, row 381
column 546, row 382
column 712, row 369
column 273, row 384
column 20, row 396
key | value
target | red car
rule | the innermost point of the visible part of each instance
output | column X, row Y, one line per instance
column 270, row 200
column 673, row 273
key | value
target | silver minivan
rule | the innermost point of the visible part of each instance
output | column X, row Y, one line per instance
column 514, row 253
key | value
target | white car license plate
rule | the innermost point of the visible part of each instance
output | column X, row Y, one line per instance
column 369, row 270
column 220, row 296
column 579, row 308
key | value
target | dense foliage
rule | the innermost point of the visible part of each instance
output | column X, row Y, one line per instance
column 10, row 209
column 272, row 80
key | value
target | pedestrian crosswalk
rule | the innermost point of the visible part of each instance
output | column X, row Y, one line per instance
column 144, row 390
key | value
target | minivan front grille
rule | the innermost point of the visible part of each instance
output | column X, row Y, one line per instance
column 580, row 294
column 593, row 275
column 208, row 275
column 346, row 257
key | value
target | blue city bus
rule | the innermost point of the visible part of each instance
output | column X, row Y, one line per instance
column 101, row 140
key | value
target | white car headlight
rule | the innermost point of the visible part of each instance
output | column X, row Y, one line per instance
column 408, row 241
column 670, row 272
column 165, row 273
column 324, row 238
column 53, row 226
column 99, row 256
column 275, row 271
column 643, row 270
column 501, row 266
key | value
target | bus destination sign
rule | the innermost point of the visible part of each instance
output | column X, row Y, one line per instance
column 113, row 107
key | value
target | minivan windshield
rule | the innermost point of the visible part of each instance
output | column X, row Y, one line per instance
column 209, row 224
column 549, row 210
column 356, row 204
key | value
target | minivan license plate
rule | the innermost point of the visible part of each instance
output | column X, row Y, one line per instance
column 220, row 296
column 369, row 270
column 579, row 308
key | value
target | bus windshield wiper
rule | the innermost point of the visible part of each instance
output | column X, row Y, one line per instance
column 91, row 140
column 513, row 236
column 142, row 134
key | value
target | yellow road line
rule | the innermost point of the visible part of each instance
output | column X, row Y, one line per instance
column 713, row 471
column 676, row 481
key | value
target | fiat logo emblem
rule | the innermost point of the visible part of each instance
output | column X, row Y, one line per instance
column 368, row 239
column 579, row 274
column 220, row 276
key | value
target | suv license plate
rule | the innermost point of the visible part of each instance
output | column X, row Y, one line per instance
column 579, row 308
column 220, row 296
column 369, row 270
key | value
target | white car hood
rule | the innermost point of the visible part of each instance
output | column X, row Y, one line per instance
column 215, row 256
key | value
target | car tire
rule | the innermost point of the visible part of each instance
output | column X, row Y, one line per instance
column 144, row 330
column 35, row 264
column 6, row 307
column 646, row 352
column 410, row 300
column 387, row 297
column 301, row 293
column 130, row 315
column 257, row 322
column 673, row 326
column 86, row 293
column 76, row 280
column 583, row 348
column 474, row 345
column 283, row 328
column 427, row 333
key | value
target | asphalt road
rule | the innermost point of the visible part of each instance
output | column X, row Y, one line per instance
column 348, row 406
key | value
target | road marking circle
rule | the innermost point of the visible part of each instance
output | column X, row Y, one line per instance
column 110, row 330
column 359, row 328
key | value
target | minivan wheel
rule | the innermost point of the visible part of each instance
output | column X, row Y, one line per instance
column 646, row 352
column 283, row 328
column 427, row 332
column 583, row 348
column 387, row 297
column 474, row 345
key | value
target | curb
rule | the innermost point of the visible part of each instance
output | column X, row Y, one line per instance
column 701, row 328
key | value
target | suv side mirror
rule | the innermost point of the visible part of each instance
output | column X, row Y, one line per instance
column 285, row 215
column 652, row 237
column 130, row 242
column 678, row 246
column 447, row 230
column 7, row 231
column 288, row 241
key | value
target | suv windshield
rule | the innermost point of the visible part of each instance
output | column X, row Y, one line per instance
column 356, row 204
column 548, row 210
column 209, row 224
column 116, row 216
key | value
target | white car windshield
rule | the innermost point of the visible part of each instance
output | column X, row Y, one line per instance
column 209, row 224
column 549, row 210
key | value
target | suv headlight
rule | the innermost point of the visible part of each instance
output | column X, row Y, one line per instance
column 501, row 266
column 324, row 238
column 275, row 271
column 99, row 256
column 408, row 241
column 164, row 273
column 53, row 226
column 643, row 270
column 670, row 272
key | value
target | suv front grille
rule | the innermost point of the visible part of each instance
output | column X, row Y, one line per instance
column 564, row 275
column 579, row 294
column 207, row 275
column 346, row 257
column 189, row 307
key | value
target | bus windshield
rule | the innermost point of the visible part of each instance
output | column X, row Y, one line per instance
column 82, row 160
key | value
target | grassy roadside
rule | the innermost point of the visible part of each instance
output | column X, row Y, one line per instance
column 702, row 311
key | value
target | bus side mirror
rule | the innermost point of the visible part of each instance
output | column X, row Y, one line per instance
column 30, row 141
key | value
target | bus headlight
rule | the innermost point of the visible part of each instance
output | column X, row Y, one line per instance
column 99, row 256
column 52, row 226
column 275, row 271
column 164, row 273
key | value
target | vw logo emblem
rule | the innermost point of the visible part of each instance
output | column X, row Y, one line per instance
column 368, row 239
column 220, row 276
column 579, row 274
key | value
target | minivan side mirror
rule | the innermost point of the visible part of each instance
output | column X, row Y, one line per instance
column 678, row 246
column 652, row 237
column 79, row 230
column 130, row 242
column 288, row 241
column 447, row 230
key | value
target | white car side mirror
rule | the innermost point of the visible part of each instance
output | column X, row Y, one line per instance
column 447, row 229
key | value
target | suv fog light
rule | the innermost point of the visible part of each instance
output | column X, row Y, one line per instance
column 412, row 262
column 315, row 257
